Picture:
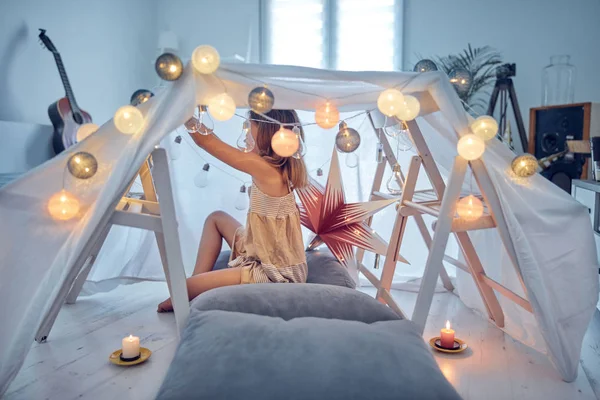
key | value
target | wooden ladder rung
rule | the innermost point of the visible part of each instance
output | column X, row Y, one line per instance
column 383, row 196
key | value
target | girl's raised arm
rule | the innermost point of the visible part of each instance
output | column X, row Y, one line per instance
column 250, row 163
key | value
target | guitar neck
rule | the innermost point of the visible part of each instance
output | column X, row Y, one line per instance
column 65, row 80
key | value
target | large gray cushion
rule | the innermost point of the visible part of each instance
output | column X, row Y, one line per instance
column 228, row 355
column 323, row 267
column 293, row 300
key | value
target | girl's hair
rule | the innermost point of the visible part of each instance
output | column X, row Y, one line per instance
column 292, row 169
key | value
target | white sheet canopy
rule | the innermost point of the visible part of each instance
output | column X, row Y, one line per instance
column 550, row 231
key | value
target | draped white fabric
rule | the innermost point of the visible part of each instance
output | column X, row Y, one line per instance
column 550, row 231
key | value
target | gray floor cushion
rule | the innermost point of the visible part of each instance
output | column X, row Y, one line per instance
column 293, row 300
column 323, row 267
column 229, row 355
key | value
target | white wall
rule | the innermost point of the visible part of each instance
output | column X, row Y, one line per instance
column 104, row 44
column 228, row 25
column 526, row 32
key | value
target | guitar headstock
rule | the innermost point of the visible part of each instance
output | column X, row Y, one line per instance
column 46, row 42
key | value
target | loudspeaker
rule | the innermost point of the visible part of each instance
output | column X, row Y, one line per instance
column 550, row 128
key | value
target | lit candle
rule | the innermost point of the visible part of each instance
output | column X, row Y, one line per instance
column 131, row 347
column 447, row 337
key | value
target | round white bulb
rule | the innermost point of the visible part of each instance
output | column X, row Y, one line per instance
column 63, row 206
column 410, row 109
column 485, row 127
column 86, row 130
column 206, row 59
column 390, row 102
column 285, row 142
column 221, row 107
column 469, row 208
column 327, row 115
column 470, row 147
column 128, row 120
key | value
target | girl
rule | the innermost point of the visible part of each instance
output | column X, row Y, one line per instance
column 270, row 247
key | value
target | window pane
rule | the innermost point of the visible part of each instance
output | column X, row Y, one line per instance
column 365, row 35
column 296, row 33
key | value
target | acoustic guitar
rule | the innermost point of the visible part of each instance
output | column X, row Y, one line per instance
column 65, row 114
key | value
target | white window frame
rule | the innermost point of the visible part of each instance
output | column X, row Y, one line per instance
column 329, row 29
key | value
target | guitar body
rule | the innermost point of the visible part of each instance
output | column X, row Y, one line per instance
column 65, row 123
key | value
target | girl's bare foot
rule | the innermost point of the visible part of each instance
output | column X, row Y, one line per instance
column 165, row 306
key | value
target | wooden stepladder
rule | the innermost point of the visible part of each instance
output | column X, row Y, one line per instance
column 147, row 213
column 440, row 202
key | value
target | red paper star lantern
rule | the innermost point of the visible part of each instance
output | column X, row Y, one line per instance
column 337, row 224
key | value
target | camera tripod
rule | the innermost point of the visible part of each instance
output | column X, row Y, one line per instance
column 505, row 89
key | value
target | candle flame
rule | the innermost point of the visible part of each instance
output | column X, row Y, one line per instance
column 131, row 336
column 447, row 324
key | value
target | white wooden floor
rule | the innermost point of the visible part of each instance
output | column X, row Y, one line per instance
column 73, row 364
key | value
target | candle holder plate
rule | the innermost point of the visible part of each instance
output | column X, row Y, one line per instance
column 459, row 345
column 115, row 357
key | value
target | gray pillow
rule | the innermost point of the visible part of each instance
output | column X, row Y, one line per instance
column 323, row 267
column 293, row 300
column 228, row 355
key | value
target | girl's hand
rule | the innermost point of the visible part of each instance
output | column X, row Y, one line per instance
column 192, row 126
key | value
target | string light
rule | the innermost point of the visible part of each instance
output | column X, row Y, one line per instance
column 82, row 165
column 301, row 152
column 461, row 79
column 347, row 140
column 245, row 141
column 390, row 102
column 168, row 67
column 394, row 185
column 524, row 165
column 63, row 206
column 201, row 180
column 327, row 115
column 221, row 107
column 470, row 147
column 128, row 120
column 85, row 131
column 284, row 142
column 261, row 100
column 485, row 127
column 206, row 59
column 410, row 109
column 425, row 65
column 140, row 96
column 469, row 208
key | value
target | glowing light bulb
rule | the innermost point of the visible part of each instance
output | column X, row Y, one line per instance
column 470, row 147
column 63, row 206
column 327, row 115
column 140, row 96
column 390, row 102
column 410, row 109
column 201, row 180
column 485, row 127
column 261, row 100
column 86, row 130
column 221, row 107
column 168, row 67
column 82, row 165
column 394, row 183
column 524, row 165
column 347, row 140
column 284, row 142
column 242, row 200
column 245, row 141
column 128, row 120
column 301, row 152
column 469, row 208
column 206, row 59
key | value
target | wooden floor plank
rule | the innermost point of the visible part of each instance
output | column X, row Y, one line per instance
column 74, row 363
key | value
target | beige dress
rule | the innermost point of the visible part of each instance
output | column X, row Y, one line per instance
column 270, row 248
